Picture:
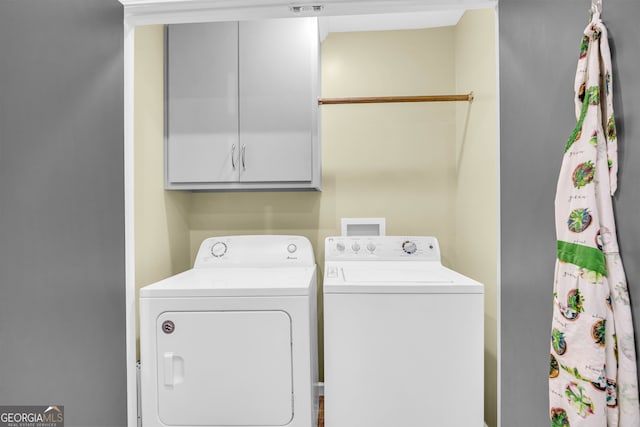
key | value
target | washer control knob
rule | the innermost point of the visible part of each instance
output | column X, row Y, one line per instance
column 409, row 247
column 355, row 246
column 340, row 247
column 371, row 247
column 292, row 248
column 218, row 249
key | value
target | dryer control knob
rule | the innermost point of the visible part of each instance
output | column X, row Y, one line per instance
column 409, row 247
column 218, row 249
column 292, row 248
column 355, row 246
column 371, row 247
column 340, row 247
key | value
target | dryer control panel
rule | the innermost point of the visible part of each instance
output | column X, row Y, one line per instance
column 255, row 251
column 388, row 248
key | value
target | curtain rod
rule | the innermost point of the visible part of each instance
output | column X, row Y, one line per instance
column 386, row 99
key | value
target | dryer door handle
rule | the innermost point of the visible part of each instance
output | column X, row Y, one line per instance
column 173, row 369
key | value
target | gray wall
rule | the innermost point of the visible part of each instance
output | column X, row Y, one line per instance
column 61, row 209
column 539, row 44
column 62, row 333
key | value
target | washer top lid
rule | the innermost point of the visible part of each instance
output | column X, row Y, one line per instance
column 255, row 251
column 389, row 274
column 389, row 277
column 234, row 282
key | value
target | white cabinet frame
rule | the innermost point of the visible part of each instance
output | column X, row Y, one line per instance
column 149, row 12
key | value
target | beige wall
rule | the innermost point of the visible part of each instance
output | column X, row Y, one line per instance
column 476, row 206
column 398, row 161
column 161, row 218
column 394, row 161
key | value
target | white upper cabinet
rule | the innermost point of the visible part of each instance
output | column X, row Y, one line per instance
column 202, row 103
column 242, row 105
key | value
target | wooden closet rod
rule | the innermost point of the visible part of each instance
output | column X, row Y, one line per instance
column 386, row 99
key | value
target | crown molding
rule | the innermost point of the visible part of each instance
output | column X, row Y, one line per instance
column 144, row 12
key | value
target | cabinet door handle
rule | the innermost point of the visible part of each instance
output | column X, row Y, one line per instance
column 233, row 156
column 244, row 150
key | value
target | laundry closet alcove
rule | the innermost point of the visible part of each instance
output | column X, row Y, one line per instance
column 429, row 168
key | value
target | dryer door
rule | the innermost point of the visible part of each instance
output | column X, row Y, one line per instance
column 224, row 368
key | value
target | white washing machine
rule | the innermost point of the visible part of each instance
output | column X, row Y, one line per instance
column 233, row 341
column 403, row 336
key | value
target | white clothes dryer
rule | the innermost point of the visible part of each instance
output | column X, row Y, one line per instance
column 403, row 336
column 233, row 341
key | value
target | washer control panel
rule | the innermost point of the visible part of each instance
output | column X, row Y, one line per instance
column 420, row 248
column 255, row 251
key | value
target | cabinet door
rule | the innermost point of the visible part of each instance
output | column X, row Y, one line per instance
column 278, row 98
column 202, row 103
